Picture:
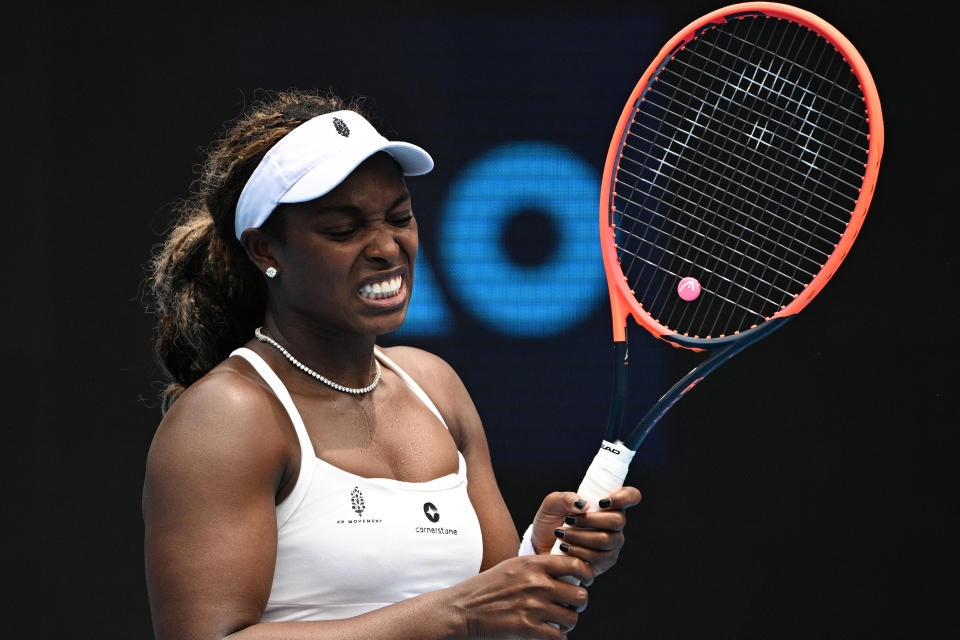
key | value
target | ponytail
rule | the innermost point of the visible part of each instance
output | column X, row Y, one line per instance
column 207, row 295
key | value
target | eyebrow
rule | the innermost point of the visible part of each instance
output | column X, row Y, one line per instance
column 355, row 210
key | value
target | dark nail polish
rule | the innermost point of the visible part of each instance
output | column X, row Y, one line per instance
column 580, row 504
column 570, row 520
column 558, row 533
column 604, row 503
column 564, row 547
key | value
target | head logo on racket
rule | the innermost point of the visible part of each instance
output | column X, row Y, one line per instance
column 688, row 288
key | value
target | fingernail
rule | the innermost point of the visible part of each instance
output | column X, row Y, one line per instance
column 604, row 503
column 570, row 520
column 580, row 504
column 564, row 547
column 558, row 533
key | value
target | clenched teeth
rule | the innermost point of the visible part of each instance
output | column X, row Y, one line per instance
column 385, row 289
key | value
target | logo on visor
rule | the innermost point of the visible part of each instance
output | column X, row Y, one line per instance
column 341, row 127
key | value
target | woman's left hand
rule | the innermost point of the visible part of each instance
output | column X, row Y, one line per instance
column 595, row 536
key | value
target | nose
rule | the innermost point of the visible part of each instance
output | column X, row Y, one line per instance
column 382, row 245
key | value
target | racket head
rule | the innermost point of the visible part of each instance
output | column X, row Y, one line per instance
column 745, row 158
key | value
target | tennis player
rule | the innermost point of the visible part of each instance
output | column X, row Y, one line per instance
column 303, row 482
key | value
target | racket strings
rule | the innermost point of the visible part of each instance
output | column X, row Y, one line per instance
column 715, row 248
column 729, row 281
column 737, row 171
column 675, row 275
column 785, row 82
column 854, row 95
column 673, row 139
column 743, row 173
column 723, row 266
column 735, row 240
column 733, row 130
column 734, row 222
column 776, row 144
column 807, row 110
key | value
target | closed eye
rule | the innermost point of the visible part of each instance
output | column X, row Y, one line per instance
column 402, row 219
column 340, row 233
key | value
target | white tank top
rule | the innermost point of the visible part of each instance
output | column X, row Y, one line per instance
column 347, row 544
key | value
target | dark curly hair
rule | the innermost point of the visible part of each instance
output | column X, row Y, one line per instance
column 207, row 296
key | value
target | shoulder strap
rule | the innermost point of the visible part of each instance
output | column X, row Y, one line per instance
column 410, row 382
column 307, row 452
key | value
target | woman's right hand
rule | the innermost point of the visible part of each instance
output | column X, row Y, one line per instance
column 520, row 597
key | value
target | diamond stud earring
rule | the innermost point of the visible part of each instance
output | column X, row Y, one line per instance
column 271, row 272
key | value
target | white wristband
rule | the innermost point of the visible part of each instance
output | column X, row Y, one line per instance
column 526, row 545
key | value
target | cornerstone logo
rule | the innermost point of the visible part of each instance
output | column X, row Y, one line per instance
column 431, row 512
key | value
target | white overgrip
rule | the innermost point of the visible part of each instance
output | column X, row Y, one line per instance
column 604, row 476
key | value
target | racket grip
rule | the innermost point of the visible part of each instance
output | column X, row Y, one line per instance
column 604, row 476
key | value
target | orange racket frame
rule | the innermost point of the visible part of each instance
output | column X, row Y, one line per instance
column 622, row 301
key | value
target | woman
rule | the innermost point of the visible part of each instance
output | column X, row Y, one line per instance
column 304, row 483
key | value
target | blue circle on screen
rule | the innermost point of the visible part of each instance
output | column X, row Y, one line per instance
column 523, row 300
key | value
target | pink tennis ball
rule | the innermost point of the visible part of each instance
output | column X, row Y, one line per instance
column 688, row 289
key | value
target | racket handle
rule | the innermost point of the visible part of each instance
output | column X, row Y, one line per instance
column 604, row 476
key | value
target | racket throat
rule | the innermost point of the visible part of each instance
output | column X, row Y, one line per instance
column 701, row 371
column 618, row 400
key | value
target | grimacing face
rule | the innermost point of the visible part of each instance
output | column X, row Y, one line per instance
column 347, row 258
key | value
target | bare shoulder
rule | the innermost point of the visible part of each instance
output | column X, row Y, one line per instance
column 227, row 419
column 426, row 368
column 444, row 387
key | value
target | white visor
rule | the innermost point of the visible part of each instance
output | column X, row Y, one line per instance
column 314, row 158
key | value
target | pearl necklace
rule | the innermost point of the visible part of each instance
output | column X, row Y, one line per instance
column 310, row 372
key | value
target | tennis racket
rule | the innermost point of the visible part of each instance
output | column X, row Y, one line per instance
column 737, row 179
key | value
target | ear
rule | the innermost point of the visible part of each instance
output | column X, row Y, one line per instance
column 261, row 248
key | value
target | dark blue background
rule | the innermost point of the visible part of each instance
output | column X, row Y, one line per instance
column 805, row 490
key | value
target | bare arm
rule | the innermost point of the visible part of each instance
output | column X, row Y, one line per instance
column 214, row 468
